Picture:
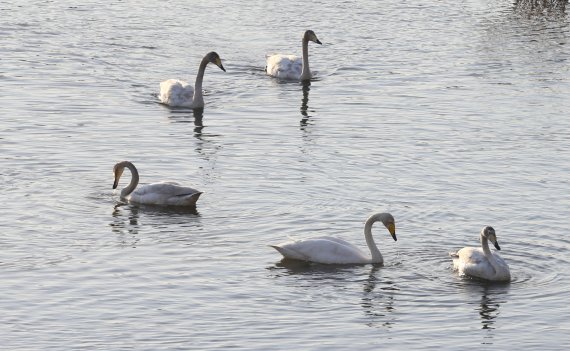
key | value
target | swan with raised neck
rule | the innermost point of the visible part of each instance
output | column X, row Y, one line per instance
column 174, row 92
column 481, row 262
column 331, row 250
column 291, row 67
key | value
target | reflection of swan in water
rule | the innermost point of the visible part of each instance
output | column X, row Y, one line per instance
column 198, row 125
column 330, row 250
column 305, row 104
column 541, row 6
column 488, row 310
column 126, row 228
column 292, row 67
column 174, row 92
column 378, row 304
column 127, row 219
column 163, row 193
column 481, row 262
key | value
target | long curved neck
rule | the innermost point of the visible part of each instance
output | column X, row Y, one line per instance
column 306, row 72
column 134, row 180
column 488, row 253
column 376, row 255
column 198, row 99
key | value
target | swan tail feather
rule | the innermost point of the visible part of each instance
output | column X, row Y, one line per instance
column 290, row 253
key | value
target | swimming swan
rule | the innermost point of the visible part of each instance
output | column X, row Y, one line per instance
column 331, row 250
column 163, row 193
column 290, row 66
column 481, row 262
column 174, row 92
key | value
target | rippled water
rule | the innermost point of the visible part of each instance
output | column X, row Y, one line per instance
column 450, row 115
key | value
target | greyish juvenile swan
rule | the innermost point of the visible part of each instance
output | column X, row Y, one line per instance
column 163, row 193
column 177, row 93
column 329, row 250
column 480, row 262
column 291, row 67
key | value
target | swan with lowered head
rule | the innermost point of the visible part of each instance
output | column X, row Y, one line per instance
column 291, row 67
column 330, row 250
column 177, row 93
column 481, row 262
column 163, row 193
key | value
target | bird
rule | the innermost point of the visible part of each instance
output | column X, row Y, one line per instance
column 178, row 93
column 331, row 250
column 291, row 67
column 163, row 193
column 481, row 262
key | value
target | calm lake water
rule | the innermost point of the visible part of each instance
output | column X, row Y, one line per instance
column 450, row 115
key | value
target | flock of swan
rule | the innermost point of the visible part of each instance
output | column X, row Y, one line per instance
column 469, row 261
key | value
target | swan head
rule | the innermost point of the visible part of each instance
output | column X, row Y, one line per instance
column 311, row 36
column 489, row 233
column 118, row 172
column 214, row 58
column 388, row 220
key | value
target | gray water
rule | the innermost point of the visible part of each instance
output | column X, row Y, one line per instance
column 450, row 115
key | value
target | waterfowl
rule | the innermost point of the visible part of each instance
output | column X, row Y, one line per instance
column 291, row 67
column 163, row 193
column 331, row 250
column 178, row 93
column 480, row 262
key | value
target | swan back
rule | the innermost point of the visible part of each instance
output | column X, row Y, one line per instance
column 165, row 193
column 323, row 250
column 176, row 93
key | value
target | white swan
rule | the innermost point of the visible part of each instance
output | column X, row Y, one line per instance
column 481, row 262
column 174, row 92
column 292, row 67
column 329, row 250
column 163, row 193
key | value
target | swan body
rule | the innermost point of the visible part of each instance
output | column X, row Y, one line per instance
column 480, row 262
column 178, row 93
column 291, row 67
column 162, row 193
column 331, row 250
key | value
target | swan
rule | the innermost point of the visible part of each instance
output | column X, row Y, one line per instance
column 481, row 262
column 330, row 250
column 292, row 67
column 163, row 193
column 174, row 92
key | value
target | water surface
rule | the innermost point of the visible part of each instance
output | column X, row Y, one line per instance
column 451, row 116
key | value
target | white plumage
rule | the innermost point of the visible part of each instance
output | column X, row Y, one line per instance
column 481, row 262
column 291, row 67
column 330, row 250
column 163, row 193
column 178, row 93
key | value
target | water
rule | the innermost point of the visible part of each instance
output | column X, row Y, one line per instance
column 450, row 115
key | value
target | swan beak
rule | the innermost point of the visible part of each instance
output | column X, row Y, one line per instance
column 318, row 42
column 219, row 64
column 392, row 229
column 115, row 183
column 496, row 244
